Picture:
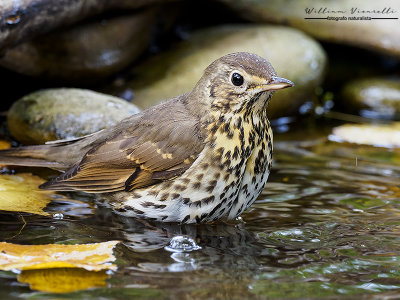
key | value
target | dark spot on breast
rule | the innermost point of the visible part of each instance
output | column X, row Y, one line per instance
column 214, row 209
column 175, row 195
column 227, row 163
column 203, row 216
column 236, row 201
column 217, row 176
column 214, row 128
column 226, row 177
column 180, row 187
column 196, row 185
column 208, row 199
column 186, row 200
column 152, row 193
column 136, row 211
column 239, row 122
column 199, row 177
column 164, row 197
column 241, row 135
column 204, row 166
column 185, row 180
column 235, row 152
column 248, row 151
column 186, row 218
column 167, row 184
column 135, row 195
column 211, row 186
column 228, row 154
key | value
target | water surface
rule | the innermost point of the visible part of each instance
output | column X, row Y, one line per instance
column 327, row 225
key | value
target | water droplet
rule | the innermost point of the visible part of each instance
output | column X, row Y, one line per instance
column 182, row 244
column 13, row 19
column 58, row 216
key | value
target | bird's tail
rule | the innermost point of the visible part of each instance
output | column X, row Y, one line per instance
column 31, row 156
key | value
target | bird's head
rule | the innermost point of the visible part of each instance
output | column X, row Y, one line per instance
column 239, row 82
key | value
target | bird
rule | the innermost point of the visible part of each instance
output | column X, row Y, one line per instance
column 200, row 157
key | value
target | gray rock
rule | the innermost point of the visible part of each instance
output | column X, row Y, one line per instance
column 21, row 21
column 293, row 54
column 380, row 35
column 64, row 113
column 86, row 52
column 373, row 97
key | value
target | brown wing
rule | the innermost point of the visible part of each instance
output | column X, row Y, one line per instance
column 157, row 145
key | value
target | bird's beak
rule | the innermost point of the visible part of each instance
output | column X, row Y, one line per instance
column 277, row 83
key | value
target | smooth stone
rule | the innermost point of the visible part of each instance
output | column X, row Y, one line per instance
column 21, row 21
column 383, row 135
column 380, row 35
column 293, row 54
column 373, row 97
column 65, row 113
column 86, row 52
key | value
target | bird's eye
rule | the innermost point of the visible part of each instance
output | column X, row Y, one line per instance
column 237, row 79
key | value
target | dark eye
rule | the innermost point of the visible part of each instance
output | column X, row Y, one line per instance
column 237, row 79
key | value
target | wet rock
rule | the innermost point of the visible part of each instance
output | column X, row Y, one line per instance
column 176, row 72
column 380, row 35
column 86, row 52
column 373, row 97
column 383, row 135
column 56, row 114
column 23, row 20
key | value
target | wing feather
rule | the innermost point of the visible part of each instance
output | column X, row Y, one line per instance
column 158, row 145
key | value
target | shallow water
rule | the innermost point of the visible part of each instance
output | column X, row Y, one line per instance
column 327, row 225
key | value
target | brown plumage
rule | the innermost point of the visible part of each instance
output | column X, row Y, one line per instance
column 197, row 157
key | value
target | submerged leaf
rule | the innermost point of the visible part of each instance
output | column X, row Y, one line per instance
column 63, row 280
column 92, row 257
column 21, row 193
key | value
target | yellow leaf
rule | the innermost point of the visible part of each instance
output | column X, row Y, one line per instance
column 21, row 193
column 4, row 145
column 63, row 280
column 92, row 257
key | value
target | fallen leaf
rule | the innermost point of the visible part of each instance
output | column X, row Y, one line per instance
column 63, row 280
column 21, row 193
column 92, row 257
column 4, row 145
column 365, row 134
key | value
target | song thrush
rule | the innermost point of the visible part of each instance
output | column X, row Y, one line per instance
column 199, row 157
